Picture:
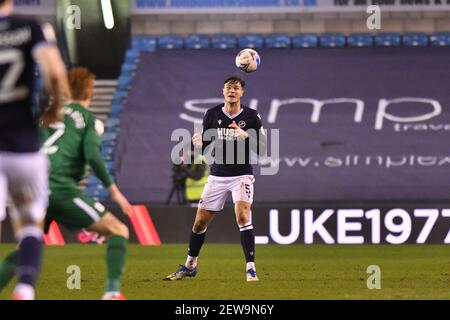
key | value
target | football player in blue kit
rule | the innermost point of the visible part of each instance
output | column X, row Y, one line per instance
column 229, row 124
column 23, row 169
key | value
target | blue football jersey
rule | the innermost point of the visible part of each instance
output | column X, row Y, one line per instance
column 19, row 38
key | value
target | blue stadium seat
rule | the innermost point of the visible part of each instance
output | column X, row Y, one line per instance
column 128, row 69
column 332, row 40
column 360, row 40
column 132, row 55
column 90, row 190
column 109, row 143
column 108, row 153
column 306, row 40
column 119, row 102
column 93, row 180
column 387, row 39
column 110, row 166
column 124, row 82
column 98, row 192
column 112, row 122
column 115, row 110
column 278, row 41
column 108, row 130
column 101, row 194
column 197, row 41
column 440, row 39
column 254, row 41
column 113, row 128
column 415, row 39
column 144, row 43
column 223, row 41
column 120, row 95
column 109, row 139
column 170, row 42
column 109, row 136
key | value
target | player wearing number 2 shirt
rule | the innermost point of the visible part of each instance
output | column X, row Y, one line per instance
column 72, row 145
column 23, row 169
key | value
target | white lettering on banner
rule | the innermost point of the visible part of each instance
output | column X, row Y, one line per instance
column 374, row 216
column 343, row 215
column 401, row 124
column 355, row 160
column 275, row 231
column 432, row 216
column 384, row 104
column 192, row 105
column 446, row 213
column 403, row 229
column 312, row 226
column 261, row 240
column 399, row 127
column 397, row 222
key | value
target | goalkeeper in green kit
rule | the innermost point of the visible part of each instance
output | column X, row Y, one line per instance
column 71, row 145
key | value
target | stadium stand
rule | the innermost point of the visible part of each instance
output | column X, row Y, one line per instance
column 440, row 39
column 224, row 41
column 332, row 40
column 278, row 41
column 415, row 39
column 387, row 39
column 197, row 41
column 303, row 40
column 221, row 3
column 360, row 40
column 253, row 41
column 144, row 43
column 308, row 40
column 94, row 187
column 170, row 42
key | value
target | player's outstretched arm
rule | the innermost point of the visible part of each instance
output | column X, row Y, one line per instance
column 94, row 158
column 92, row 146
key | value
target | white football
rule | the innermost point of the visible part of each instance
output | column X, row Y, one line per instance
column 248, row 60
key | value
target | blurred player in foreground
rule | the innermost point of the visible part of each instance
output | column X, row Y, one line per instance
column 23, row 169
column 229, row 123
column 71, row 145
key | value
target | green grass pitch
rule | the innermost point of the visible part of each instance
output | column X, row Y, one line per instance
column 285, row 272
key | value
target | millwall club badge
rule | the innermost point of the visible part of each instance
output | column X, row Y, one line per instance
column 242, row 124
column 220, row 122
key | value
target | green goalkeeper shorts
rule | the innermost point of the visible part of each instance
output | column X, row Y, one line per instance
column 73, row 209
